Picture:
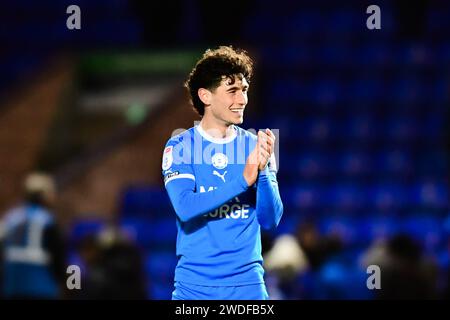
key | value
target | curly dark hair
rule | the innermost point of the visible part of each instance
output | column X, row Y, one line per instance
column 213, row 67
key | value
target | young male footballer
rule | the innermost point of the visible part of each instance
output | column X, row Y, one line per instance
column 221, row 180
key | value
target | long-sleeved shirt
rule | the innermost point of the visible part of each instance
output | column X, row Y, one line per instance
column 219, row 217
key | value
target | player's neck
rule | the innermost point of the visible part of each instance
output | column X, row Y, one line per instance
column 217, row 130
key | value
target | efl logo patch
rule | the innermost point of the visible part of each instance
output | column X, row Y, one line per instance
column 167, row 158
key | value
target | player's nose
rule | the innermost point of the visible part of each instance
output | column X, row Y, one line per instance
column 241, row 98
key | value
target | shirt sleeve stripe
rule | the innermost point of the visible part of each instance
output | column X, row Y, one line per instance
column 179, row 176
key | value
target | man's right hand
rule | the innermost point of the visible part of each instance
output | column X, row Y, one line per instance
column 258, row 158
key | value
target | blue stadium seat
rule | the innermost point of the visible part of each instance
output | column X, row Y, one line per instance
column 432, row 163
column 160, row 265
column 431, row 194
column 307, row 195
column 408, row 90
column 151, row 233
column 160, row 268
column 374, row 54
column 437, row 21
column 83, row 228
column 402, row 128
column 287, row 92
column 313, row 165
column 373, row 227
column 325, row 92
column 444, row 54
column 344, row 22
column 414, row 54
column 160, row 291
column 303, row 25
column 338, row 225
column 359, row 127
column 146, row 202
column 426, row 229
column 439, row 89
column 394, row 162
column 355, row 163
column 388, row 196
column 141, row 230
column 434, row 124
column 363, row 91
column 345, row 196
column 318, row 129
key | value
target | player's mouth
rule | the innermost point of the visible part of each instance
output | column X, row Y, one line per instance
column 239, row 111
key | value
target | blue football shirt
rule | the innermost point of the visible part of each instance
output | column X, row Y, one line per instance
column 219, row 218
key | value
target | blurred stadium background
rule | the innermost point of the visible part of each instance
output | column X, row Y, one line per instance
column 363, row 120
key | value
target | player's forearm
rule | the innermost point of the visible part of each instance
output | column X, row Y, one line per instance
column 189, row 204
column 269, row 206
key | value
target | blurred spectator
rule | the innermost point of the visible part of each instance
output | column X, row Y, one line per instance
column 294, row 257
column 286, row 258
column 405, row 272
column 113, row 267
column 284, row 262
column 317, row 247
column 33, row 260
column 333, row 273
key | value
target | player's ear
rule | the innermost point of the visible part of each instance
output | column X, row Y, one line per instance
column 205, row 96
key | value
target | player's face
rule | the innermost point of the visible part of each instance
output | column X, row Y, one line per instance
column 228, row 101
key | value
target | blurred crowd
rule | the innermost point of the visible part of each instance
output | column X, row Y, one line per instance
column 36, row 254
column 313, row 265
column 307, row 264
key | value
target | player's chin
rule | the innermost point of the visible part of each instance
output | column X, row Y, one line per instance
column 239, row 120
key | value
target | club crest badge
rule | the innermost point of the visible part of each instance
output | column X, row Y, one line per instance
column 219, row 161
